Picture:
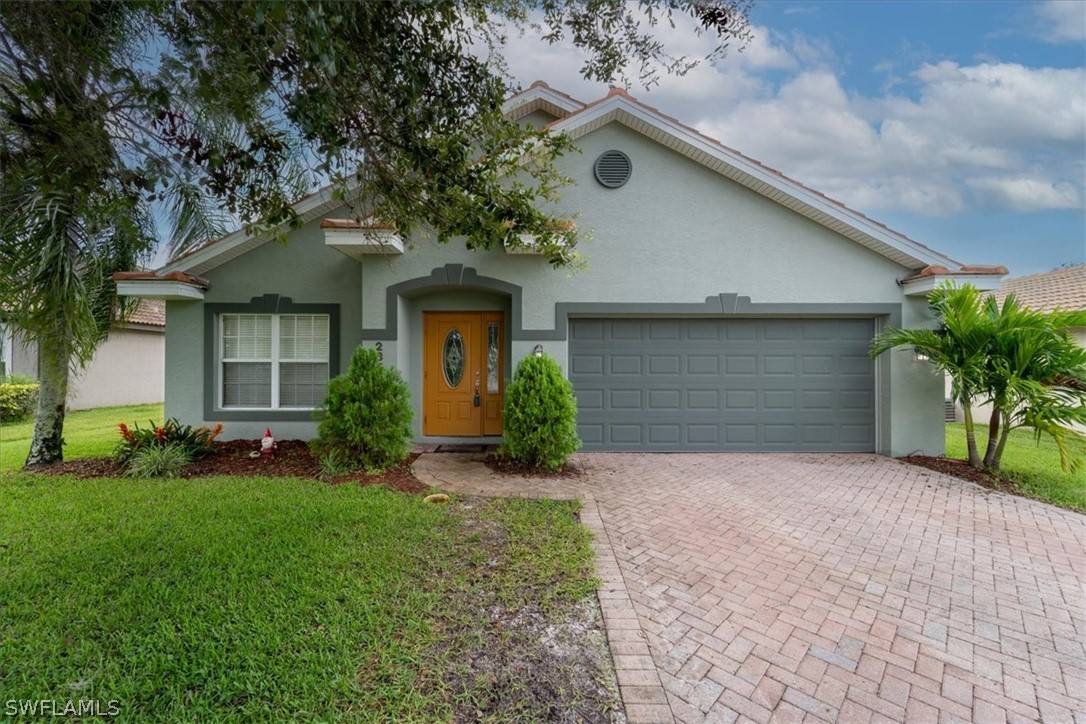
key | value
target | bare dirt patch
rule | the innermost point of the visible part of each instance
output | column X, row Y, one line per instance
column 509, row 658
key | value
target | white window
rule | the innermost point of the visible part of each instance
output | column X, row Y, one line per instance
column 273, row 361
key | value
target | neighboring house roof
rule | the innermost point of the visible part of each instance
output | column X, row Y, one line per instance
column 578, row 119
column 1063, row 289
column 149, row 313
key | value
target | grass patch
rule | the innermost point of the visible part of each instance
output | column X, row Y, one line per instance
column 251, row 598
column 87, row 433
column 1032, row 467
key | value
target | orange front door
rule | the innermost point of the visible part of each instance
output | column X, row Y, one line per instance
column 462, row 368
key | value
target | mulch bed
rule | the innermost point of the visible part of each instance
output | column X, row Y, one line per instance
column 506, row 466
column 292, row 459
column 962, row 469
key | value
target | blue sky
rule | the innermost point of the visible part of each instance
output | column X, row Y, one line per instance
column 960, row 124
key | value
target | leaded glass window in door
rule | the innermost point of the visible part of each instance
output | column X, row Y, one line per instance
column 452, row 358
column 493, row 357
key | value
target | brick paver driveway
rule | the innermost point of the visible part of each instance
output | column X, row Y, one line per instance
column 847, row 588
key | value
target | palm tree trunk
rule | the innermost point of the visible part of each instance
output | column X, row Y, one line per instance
column 970, row 435
column 993, row 436
column 997, row 459
column 47, row 444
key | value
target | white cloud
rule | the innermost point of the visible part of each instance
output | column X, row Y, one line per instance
column 1026, row 193
column 1061, row 21
column 944, row 138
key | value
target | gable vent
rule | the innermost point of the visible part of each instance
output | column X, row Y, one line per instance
column 613, row 169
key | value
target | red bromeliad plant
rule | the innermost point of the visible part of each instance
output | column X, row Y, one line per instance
column 198, row 442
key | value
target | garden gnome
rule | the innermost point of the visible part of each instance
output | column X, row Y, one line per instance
column 267, row 444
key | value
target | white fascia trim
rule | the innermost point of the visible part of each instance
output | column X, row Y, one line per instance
column 544, row 94
column 925, row 285
column 203, row 260
column 618, row 103
column 164, row 289
column 364, row 241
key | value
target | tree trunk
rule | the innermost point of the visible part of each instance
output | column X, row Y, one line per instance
column 997, row 459
column 54, row 354
column 970, row 435
column 993, row 436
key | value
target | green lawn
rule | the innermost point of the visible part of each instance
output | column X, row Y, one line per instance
column 1033, row 467
column 87, row 433
column 272, row 599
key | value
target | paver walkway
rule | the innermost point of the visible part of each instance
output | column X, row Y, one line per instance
column 798, row 587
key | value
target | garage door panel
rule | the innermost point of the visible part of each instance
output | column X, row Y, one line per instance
column 703, row 330
column 698, row 384
column 740, row 365
column 588, row 329
column 625, row 364
column 665, row 400
column 782, row 331
column 738, row 400
column 625, row 400
column 664, row 364
column 665, row 330
column 702, row 364
column 586, row 364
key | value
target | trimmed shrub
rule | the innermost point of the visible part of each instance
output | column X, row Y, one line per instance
column 366, row 416
column 196, row 442
column 17, row 400
column 158, row 461
column 540, row 415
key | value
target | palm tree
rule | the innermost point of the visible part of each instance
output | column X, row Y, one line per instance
column 1024, row 362
column 958, row 347
column 1035, row 376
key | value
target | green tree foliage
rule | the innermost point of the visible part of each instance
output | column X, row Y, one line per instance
column 224, row 112
column 366, row 418
column 1022, row 361
column 540, row 415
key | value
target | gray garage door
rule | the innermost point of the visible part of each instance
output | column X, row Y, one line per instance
column 716, row 384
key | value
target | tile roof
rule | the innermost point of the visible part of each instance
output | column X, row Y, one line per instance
column 150, row 276
column 935, row 270
column 149, row 312
column 367, row 223
column 1063, row 289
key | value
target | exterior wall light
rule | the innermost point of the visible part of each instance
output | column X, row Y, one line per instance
column 538, row 350
column 921, row 356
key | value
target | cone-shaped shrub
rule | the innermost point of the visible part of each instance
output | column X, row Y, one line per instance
column 540, row 415
column 367, row 414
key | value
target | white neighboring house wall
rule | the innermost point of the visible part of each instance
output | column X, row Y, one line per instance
column 5, row 350
column 129, row 368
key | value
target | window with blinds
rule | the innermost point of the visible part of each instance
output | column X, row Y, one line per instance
column 273, row 361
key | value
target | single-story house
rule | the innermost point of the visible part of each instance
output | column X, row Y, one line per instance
column 1063, row 289
column 724, row 306
column 129, row 368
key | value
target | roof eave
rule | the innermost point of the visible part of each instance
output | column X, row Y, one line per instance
column 239, row 242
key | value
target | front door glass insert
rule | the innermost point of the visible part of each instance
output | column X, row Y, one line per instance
column 492, row 358
column 452, row 356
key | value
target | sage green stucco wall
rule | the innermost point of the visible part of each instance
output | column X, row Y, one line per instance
column 676, row 233
column 304, row 270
